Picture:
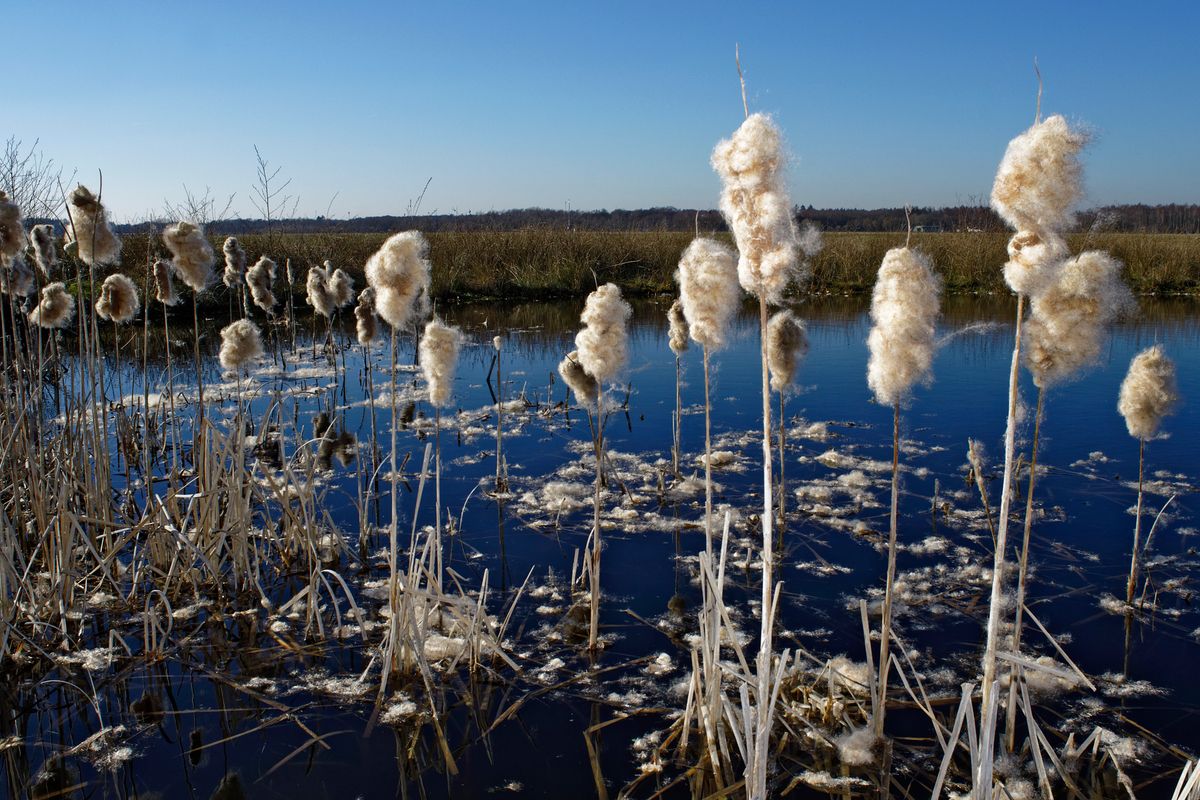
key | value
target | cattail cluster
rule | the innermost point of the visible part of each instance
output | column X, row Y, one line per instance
column 12, row 233
column 317, row 291
column 341, row 287
column 439, row 357
column 164, row 284
column 577, row 378
column 241, row 345
column 56, row 308
column 755, row 203
column 1069, row 317
column 904, row 308
column 1148, row 393
column 94, row 240
column 260, row 278
column 367, row 322
column 399, row 273
column 16, row 278
column 118, row 299
column 787, row 345
column 44, row 253
column 235, row 263
column 603, row 344
column 677, row 329
column 192, row 255
column 708, row 290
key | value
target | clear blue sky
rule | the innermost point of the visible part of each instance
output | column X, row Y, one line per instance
column 600, row 105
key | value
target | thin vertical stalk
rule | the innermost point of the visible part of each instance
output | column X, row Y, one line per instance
column 708, row 487
column 500, row 482
column 885, row 628
column 1137, row 525
column 782, row 479
column 678, row 419
column 594, row 565
column 756, row 770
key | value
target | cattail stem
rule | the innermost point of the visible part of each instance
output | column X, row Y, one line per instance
column 756, row 771
column 885, row 629
column 437, row 488
column 1137, row 525
column 198, row 436
column 393, row 582
column 501, row 483
column 708, row 486
column 782, row 479
column 594, row 566
column 678, row 418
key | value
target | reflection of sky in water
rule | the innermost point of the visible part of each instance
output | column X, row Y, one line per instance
column 1080, row 544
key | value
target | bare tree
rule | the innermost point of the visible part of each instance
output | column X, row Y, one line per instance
column 268, row 196
column 201, row 209
column 30, row 179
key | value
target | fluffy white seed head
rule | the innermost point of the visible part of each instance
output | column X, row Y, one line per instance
column 577, row 378
column 904, row 308
column 1148, row 392
column 1070, row 316
column 399, row 273
column 439, row 357
column 44, row 252
column 118, row 299
column 241, row 345
column 261, row 278
column 367, row 322
column 708, row 289
column 1034, row 261
column 16, row 278
column 192, row 255
column 755, row 204
column 164, row 286
column 94, row 240
column 809, row 240
column 603, row 344
column 497, row 342
column 235, row 263
column 341, row 287
column 317, row 291
column 787, row 345
column 56, row 308
column 677, row 331
column 12, row 233
column 1040, row 177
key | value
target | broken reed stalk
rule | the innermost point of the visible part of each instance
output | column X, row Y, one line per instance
column 885, row 632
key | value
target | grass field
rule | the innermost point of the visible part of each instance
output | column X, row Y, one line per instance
column 552, row 262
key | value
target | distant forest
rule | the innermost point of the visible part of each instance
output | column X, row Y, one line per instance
column 1139, row 218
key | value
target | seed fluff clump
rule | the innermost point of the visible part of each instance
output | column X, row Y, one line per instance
column 904, row 308
column 399, row 273
column 56, row 308
column 94, row 240
column 787, row 345
column 708, row 289
column 1148, row 393
column 439, row 357
column 603, row 342
column 118, row 299
column 192, row 255
column 241, row 345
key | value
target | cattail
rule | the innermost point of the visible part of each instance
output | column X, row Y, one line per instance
column 235, row 263
column 787, row 345
column 44, row 253
column 368, row 322
column 399, row 273
column 192, row 254
column 164, row 286
column 12, row 233
column 260, row 278
column 439, row 357
column 708, row 289
column 291, row 274
column 1070, row 316
column 241, row 344
column 341, row 287
column 497, row 342
column 317, row 291
column 754, row 202
column 16, row 278
column 1148, row 392
column 118, row 299
column 904, row 308
column 95, row 242
column 577, row 378
column 1034, row 261
column 1040, row 177
column 809, row 240
column 677, row 333
column 603, row 342
column 56, row 309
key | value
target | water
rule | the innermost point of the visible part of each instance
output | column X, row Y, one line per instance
column 233, row 698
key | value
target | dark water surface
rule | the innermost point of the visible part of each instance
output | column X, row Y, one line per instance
column 244, row 701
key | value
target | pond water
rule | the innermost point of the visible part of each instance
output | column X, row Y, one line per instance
column 236, row 707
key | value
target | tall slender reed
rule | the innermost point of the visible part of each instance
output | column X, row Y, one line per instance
column 787, row 345
column 677, row 340
column 439, row 358
column 501, row 473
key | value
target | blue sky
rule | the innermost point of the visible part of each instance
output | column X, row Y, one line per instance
column 596, row 105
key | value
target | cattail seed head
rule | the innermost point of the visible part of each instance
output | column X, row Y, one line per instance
column 95, row 242
column 787, row 345
column 341, row 287
column 235, row 263
column 708, row 289
column 677, row 331
column 1040, row 177
column 755, row 204
column 16, row 278
column 260, row 278
column 44, row 252
column 586, row 390
column 1148, row 392
column 56, row 308
column 603, row 342
column 439, row 357
column 192, row 255
column 1034, row 261
column 367, row 321
column 904, row 308
column 399, row 273
column 497, row 342
column 241, row 344
column 118, row 299
column 1070, row 316
column 12, row 233
column 317, row 291
column 164, row 286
